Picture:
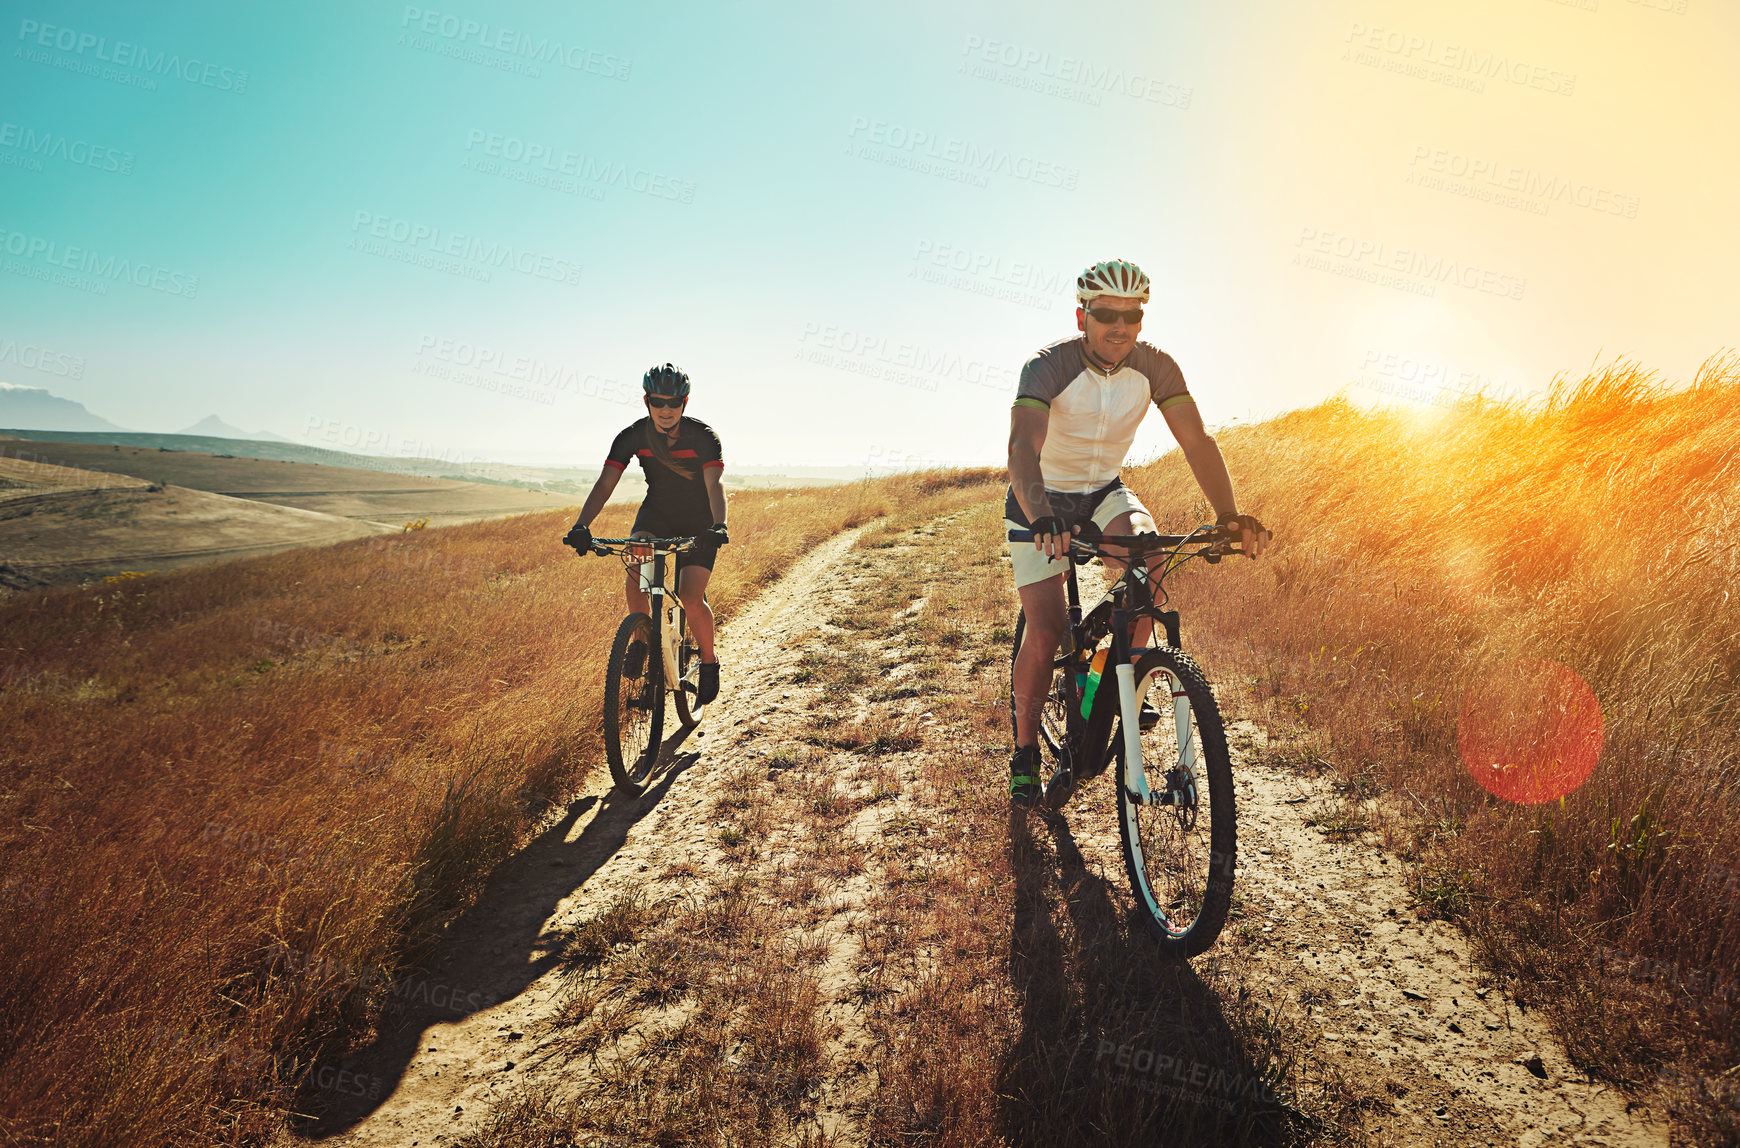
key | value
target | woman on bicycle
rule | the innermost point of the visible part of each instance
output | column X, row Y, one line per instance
column 681, row 457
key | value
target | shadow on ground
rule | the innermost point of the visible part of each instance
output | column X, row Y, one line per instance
column 487, row 956
column 1118, row 1045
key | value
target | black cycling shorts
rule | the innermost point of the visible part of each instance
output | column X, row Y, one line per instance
column 701, row 554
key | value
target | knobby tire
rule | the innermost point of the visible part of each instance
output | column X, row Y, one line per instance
column 1182, row 877
column 634, row 707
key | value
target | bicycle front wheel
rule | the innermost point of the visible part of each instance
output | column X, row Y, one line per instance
column 1175, row 808
column 634, row 704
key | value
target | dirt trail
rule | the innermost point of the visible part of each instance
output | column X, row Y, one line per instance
column 458, row 1069
column 1389, row 1009
column 1398, row 1001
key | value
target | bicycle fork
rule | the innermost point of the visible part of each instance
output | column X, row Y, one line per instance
column 1181, row 783
column 1130, row 721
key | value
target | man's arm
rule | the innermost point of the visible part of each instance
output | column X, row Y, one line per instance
column 1200, row 451
column 1206, row 463
column 1027, row 427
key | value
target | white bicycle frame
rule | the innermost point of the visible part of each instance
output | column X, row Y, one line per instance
column 666, row 610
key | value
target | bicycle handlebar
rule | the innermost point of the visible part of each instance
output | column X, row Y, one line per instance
column 1146, row 543
column 602, row 546
column 1212, row 544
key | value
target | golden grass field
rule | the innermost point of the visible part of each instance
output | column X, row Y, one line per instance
column 323, row 752
column 326, row 752
column 1422, row 553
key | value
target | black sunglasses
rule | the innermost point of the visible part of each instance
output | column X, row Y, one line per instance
column 1108, row 315
column 657, row 401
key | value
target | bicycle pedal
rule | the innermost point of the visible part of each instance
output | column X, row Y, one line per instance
column 1059, row 789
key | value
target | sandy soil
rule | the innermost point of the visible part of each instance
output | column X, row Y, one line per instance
column 1324, row 928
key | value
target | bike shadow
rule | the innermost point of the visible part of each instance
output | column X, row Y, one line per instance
column 490, row 954
column 1118, row 1044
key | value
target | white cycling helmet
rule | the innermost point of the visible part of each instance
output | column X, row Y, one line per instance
column 1115, row 277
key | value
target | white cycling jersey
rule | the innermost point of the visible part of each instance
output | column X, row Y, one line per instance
column 1094, row 416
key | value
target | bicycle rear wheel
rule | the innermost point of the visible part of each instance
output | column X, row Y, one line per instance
column 634, row 704
column 1178, row 822
column 1053, row 723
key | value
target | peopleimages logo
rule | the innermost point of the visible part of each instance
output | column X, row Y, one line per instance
column 904, row 364
column 414, row 242
column 555, row 160
column 53, row 145
column 950, row 156
column 1369, row 44
column 35, row 357
column 92, row 49
column 1081, row 81
column 1374, row 259
column 93, row 270
column 495, row 369
column 465, row 35
column 1431, row 165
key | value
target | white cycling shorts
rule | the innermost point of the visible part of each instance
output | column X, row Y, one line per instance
column 1032, row 566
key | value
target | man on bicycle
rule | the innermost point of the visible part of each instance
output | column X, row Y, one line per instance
column 1077, row 410
column 683, row 462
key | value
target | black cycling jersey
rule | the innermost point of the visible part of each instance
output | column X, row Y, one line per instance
column 674, row 505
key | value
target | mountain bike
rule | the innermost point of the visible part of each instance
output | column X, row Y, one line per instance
column 1174, row 778
column 651, row 656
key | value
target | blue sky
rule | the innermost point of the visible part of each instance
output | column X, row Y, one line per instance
column 466, row 230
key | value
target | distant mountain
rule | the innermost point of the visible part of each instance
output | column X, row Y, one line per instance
column 32, row 408
column 213, row 427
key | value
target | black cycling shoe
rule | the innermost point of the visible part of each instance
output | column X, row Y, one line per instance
column 1024, row 776
column 1150, row 717
column 634, row 660
column 709, row 683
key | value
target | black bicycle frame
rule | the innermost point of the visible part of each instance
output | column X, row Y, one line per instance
column 1090, row 738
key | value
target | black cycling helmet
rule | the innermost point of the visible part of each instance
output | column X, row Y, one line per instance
column 666, row 380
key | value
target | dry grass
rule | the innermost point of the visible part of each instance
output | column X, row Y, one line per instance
column 1415, row 557
column 240, row 801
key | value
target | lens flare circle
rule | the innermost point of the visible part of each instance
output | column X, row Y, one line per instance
column 1530, row 731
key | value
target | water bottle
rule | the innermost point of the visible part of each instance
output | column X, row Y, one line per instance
column 1091, row 685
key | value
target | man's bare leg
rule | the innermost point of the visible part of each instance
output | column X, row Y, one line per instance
column 1045, row 608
